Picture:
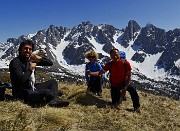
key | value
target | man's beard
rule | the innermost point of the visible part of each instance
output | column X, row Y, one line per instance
column 26, row 57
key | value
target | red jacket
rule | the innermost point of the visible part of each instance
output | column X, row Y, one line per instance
column 117, row 71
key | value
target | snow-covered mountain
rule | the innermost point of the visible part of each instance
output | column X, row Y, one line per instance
column 153, row 53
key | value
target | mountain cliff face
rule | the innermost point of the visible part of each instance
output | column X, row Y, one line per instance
column 66, row 48
column 171, row 52
column 130, row 33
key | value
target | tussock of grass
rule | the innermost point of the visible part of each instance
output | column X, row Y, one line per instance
column 88, row 112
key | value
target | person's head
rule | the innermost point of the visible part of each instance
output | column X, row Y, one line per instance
column 122, row 54
column 114, row 54
column 91, row 56
column 26, row 48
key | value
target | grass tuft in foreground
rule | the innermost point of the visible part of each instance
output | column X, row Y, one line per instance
column 88, row 112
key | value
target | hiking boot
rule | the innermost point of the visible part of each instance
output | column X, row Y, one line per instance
column 120, row 101
column 115, row 107
column 112, row 106
column 137, row 109
column 90, row 92
column 99, row 94
column 60, row 93
column 124, row 98
column 56, row 102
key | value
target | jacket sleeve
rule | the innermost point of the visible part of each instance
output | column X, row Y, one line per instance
column 128, row 68
column 45, row 62
column 107, row 66
column 100, row 68
column 18, row 75
column 86, row 76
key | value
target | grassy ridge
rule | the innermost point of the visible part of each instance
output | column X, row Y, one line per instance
column 88, row 112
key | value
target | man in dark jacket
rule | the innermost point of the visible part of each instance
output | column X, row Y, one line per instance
column 20, row 72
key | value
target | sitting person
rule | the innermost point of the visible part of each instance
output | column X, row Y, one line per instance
column 20, row 72
column 94, row 82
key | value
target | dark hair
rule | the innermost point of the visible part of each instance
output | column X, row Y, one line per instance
column 26, row 42
column 113, row 50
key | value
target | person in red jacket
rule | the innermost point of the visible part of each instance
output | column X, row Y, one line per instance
column 120, row 80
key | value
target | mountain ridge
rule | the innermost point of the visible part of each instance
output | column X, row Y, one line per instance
column 152, row 51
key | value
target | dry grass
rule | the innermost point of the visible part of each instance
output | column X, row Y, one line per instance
column 88, row 112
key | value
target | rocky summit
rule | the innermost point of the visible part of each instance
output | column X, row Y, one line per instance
column 153, row 52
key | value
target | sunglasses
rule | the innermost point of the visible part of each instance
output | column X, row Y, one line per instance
column 91, row 56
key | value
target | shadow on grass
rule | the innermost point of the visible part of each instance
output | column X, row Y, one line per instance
column 33, row 105
column 36, row 104
column 90, row 99
column 129, row 110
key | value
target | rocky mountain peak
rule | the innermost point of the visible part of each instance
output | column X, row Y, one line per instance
column 130, row 33
column 145, row 41
column 66, row 48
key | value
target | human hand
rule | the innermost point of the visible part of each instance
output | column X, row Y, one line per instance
column 32, row 65
column 88, row 72
column 100, row 72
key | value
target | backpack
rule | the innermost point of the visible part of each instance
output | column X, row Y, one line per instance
column 3, row 87
column 123, row 57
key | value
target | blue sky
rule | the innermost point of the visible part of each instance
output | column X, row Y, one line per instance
column 22, row 17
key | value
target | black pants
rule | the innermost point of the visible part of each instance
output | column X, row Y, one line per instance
column 2, row 94
column 45, row 91
column 95, row 84
column 115, row 95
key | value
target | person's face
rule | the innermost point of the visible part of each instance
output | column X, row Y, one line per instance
column 91, row 58
column 115, row 55
column 26, row 51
